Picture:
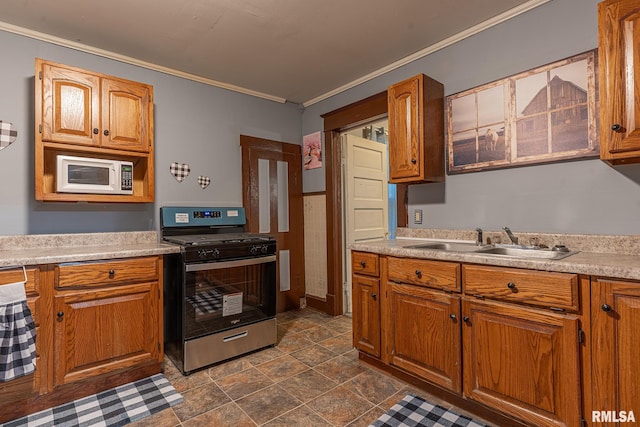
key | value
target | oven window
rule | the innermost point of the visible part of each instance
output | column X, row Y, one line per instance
column 222, row 298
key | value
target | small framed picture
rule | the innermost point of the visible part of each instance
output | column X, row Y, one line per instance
column 312, row 150
column 543, row 115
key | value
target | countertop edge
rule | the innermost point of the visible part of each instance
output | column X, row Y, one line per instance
column 587, row 263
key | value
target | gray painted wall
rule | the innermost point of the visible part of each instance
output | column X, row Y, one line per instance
column 194, row 123
column 576, row 197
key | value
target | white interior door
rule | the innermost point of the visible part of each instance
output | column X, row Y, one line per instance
column 365, row 197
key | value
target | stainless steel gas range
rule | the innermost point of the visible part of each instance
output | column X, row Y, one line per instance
column 220, row 291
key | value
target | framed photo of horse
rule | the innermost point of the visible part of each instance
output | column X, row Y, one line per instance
column 547, row 114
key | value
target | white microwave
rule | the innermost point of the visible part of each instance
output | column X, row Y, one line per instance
column 93, row 176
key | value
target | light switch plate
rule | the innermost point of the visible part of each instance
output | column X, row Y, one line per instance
column 417, row 216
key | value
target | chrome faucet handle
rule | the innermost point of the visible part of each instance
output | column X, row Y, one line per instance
column 513, row 238
column 479, row 237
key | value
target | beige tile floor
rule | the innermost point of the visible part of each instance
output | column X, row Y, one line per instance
column 312, row 377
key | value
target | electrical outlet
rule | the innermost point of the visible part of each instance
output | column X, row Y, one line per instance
column 303, row 302
column 417, row 216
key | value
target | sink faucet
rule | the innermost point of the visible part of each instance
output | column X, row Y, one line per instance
column 479, row 238
column 513, row 238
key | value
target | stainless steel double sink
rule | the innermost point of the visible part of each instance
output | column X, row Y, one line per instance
column 499, row 250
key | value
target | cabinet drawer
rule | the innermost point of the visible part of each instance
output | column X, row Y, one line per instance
column 365, row 263
column 432, row 274
column 544, row 289
column 105, row 273
column 17, row 275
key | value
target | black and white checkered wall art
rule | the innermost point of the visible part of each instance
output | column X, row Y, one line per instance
column 8, row 134
column 179, row 170
column 204, row 181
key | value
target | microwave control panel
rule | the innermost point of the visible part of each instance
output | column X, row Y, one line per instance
column 126, row 177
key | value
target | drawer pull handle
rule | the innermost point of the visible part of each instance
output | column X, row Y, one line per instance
column 363, row 264
column 112, row 273
column 418, row 273
column 374, row 296
column 606, row 308
column 511, row 285
column 60, row 314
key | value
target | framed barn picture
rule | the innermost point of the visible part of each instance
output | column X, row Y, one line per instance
column 543, row 115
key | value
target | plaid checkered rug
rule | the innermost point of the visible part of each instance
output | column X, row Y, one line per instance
column 115, row 407
column 413, row 411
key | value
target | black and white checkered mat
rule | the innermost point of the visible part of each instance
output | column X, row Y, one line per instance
column 115, row 407
column 413, row 411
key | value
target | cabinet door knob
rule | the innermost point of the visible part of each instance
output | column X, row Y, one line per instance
column 453, row 316
column 106, row 132
column 511, row 285
column 363, row 264
column 466, row 319
column 112, row 273
column 414, row 161
column 60, row 314
column 606, row 307
column 374, row 296
column 96, row 131
column 617, row 128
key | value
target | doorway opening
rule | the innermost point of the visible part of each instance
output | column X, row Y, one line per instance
column 368, row 200
column 337, row 121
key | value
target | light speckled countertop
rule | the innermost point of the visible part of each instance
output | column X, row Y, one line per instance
column 616, row 256
column 36, row 249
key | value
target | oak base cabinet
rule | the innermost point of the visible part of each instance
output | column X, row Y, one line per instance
column 424, row 334
column 366, row 303
column 615, row 316
column 523, row 362
column 98, row 325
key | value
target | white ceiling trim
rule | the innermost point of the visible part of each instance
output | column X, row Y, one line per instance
column 155, row 67
column 133, row 61
column 433, row 48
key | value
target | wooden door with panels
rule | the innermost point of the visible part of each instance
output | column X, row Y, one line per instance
column 272, row 199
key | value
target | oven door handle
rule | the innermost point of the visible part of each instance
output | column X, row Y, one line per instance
column 228, row 264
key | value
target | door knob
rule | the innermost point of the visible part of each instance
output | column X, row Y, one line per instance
column 617, row 128
column 60, row 314
column 374, row 296
column 363, row 264
column 452, row 316
column 606, row 308
column 96, row 131
column 106, row 132
column 466, row 319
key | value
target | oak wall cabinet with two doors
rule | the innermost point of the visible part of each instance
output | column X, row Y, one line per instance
column 85, row 114
column 98, row 325
column 540, row 347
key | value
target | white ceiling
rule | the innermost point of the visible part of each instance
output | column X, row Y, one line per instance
column 300, row 51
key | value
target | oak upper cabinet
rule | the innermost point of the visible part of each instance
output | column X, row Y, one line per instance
column 416, row 131
column 80, row 107
column 615, row 311
column 107, row 317
column 423, row 324
column 619, row 80
column 366, row 302
column 87, row 114
column 522, row 361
